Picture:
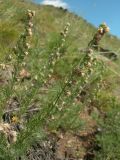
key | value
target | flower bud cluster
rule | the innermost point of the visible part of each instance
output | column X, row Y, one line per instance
column 77, row 82
column 64, row 33
column 56, row 55
column 29, row 25
column 23, row 45
column 84, row 75
column 103, row 28
column 90, row 65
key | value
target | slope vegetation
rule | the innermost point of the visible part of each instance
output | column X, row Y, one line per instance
column 58, row 100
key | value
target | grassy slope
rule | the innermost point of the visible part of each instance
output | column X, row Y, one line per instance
column 49, row 21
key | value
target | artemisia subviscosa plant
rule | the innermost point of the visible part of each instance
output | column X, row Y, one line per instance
column 79, row 88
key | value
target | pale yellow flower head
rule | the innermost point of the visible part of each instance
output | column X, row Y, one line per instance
column 104, row 27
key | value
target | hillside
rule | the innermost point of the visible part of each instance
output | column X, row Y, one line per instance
column 49, row 20
column 59, row 99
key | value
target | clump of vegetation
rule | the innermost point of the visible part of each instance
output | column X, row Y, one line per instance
column 108, row 139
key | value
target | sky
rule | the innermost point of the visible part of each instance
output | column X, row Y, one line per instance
column 94, row 11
